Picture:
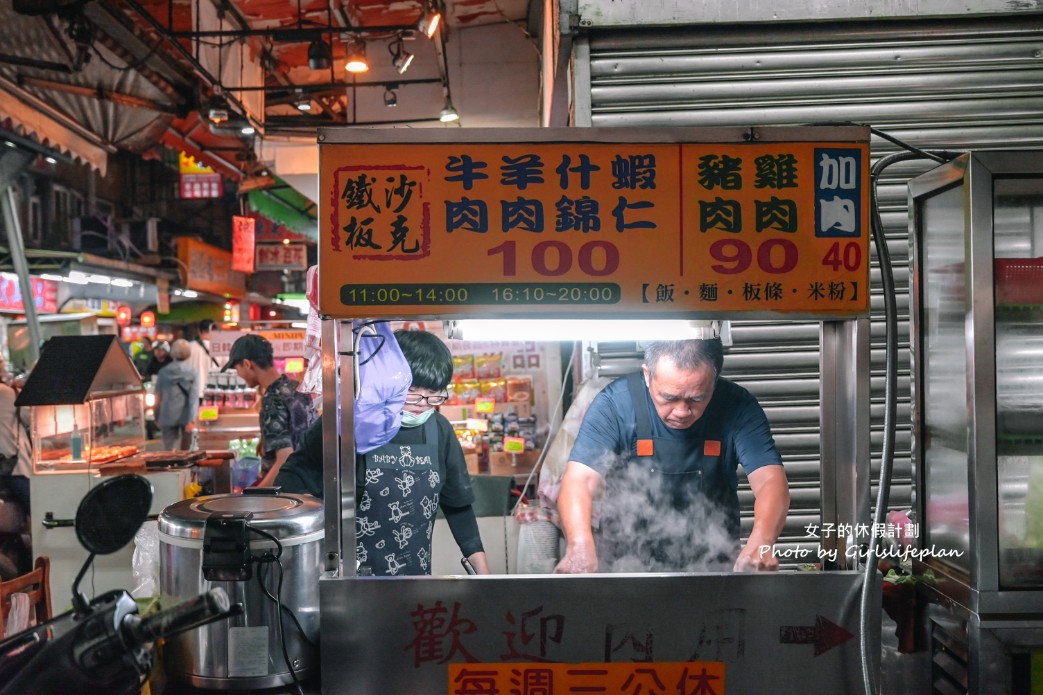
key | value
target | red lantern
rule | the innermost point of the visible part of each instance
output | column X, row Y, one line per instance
column 123, row 315
column 147, row 319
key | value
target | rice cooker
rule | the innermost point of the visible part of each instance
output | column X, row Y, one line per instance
column 247, row 544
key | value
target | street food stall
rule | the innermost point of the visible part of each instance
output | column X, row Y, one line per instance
column 565, row 227
column 87, row 420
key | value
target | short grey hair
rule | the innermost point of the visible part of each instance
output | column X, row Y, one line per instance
column 688, row 355
column 180, row 350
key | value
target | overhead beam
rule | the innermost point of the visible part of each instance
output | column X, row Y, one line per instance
column 98, row 93
column 297, row 35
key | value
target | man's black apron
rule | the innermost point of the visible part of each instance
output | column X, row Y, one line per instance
column 673, row 510
column 398, row 491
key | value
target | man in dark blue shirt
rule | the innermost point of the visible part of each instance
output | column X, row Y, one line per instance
column 659, row 450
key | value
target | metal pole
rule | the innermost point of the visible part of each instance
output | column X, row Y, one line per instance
column 21, row 267
column 845, row 437
column 331, row 405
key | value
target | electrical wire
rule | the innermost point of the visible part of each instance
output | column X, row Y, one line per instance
column 287, row 610
column 134, row 65
column 542, row 454
column 276, row 558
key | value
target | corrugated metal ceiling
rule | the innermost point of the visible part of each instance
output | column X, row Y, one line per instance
column 130, row 73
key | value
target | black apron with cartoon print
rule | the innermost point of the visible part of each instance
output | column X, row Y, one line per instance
column 398, row 494
column 671, row 506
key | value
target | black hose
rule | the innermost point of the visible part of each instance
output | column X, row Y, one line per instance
column 890, row 386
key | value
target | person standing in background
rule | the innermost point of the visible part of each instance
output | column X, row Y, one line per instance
column 160, row 358
column 15, row 441
column 285, row 412
column 143, row 355
column 176, row 401
column 201, row 360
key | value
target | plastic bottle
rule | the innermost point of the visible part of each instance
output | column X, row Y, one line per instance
column 76, row 443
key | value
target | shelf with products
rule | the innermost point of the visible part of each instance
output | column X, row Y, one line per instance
column 500, row 397
column 502, row 442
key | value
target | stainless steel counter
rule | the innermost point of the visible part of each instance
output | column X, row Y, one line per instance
column 778, row 633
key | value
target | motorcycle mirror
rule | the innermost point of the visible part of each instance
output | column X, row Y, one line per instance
column 112, row 512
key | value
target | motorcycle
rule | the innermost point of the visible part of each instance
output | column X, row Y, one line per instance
column 103, row 645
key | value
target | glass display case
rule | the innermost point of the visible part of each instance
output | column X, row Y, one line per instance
column 79, row 436
column 87, row 404
column 977, row 336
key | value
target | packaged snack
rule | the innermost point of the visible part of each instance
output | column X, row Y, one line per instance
column 487, row 366
column 463, row 392
column 519, row 389
column 495, row 389
column 463, row 367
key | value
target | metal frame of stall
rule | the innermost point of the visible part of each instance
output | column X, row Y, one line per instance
column 425, row 634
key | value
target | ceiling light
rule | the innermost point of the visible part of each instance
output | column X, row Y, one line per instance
column 357, row 57
column 448, row 114
column 247, row 130
column 50, row 160
column 319, row 55
column 390, row 97
column 400, row 57
column 303, row 102
column 217, row 111
column 403, row 61
column 429, row 22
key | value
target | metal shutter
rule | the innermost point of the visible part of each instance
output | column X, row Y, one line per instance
column 957, row 84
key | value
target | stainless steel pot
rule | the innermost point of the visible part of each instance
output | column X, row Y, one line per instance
column 246, row 651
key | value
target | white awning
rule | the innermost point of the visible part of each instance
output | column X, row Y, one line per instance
column 295, row 161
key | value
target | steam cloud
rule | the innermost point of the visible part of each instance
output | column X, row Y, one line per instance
column 651, row 531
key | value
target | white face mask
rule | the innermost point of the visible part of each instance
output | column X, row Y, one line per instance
column 410, row 419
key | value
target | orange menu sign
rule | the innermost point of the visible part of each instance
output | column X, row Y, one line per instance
column 691, row 677
column 616, row 229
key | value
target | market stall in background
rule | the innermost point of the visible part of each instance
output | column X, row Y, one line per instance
column 88, row 422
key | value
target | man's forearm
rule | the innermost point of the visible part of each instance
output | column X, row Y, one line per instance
column 574, row 507
column 280, row 457
column 770, row 507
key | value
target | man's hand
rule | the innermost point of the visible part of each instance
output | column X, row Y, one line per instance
column 580, row 558
column 756, row 559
